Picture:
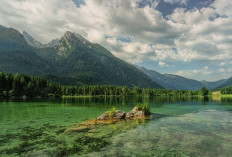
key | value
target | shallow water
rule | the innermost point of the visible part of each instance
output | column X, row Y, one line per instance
column 178, row 127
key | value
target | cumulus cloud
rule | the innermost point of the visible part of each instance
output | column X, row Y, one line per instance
column 198, row 35
column 222, row 64
column 223, row 7
column 163, row 64
column 195, row 72
column 205, row 33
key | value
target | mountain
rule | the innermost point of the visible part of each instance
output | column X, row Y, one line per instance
column 91, row 63
column 159, row 78
column 226, row 83
column 16, row 56
column 31, row 41
column 11, row 39
column 73, row 60
column 52, row 43
column 171, row 81
column 215, row 84
column 34, row 43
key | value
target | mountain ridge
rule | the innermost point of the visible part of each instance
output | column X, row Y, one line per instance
column 171, row 81
column 227, row 83
column 34, row 43
column 74, row 59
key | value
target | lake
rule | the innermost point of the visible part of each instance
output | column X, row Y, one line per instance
column 179, row 126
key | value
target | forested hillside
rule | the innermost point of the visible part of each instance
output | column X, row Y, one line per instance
column 71, row 61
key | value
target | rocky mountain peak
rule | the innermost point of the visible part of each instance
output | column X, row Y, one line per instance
column 69, row 41
column 34, row 43
column 31, row 41
column 74, row 38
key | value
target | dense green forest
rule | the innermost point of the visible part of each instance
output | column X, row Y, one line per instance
column 19, row 85
column 227, row 90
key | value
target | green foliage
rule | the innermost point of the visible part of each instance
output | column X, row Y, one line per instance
column 203, row 92
column 139, row 107
column 227, row 90
column 20, row 85
column 137, row 91
column 111, row 112
column 145, row 108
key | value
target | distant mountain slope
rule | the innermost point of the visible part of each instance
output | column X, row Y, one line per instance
column 31, row 41
column 170, row 81
column 227, row 83
column 11, row 39
column 184, row 83
column 34, row 43
column 159, row 78
column 215, row 84
column 72, row 61
column 17, row 56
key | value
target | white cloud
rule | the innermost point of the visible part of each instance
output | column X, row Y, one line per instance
column 229, row 70
column 223, row 7
column 193, row 73
column 163, row 64
column 222, row 70
column 222, row 64
column 206, row 68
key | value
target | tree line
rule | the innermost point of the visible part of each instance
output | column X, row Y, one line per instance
column 20, row 85
column 227, row 90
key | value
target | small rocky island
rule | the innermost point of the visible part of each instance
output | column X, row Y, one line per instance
column 120, row 118
column 140, row 111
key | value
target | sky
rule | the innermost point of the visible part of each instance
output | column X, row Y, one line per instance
column 191, row 38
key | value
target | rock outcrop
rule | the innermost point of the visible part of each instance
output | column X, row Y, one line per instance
column 136, row 112
column 118, row 114
column 104, row 116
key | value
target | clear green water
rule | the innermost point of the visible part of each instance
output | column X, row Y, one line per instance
column 178, row 127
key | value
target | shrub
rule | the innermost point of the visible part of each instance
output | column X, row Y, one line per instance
column 112, row 112
column 144, row 107
column 139, row 107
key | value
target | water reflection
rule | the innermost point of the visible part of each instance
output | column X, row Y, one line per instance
column 128, row 101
